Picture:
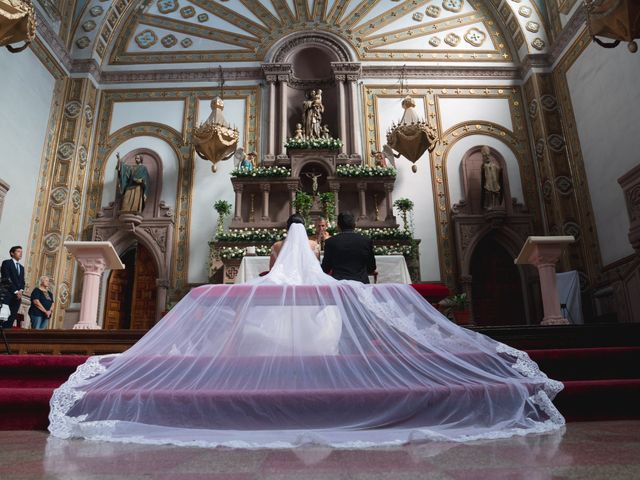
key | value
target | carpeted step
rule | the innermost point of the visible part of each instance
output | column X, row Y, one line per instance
column 24, row 408
column 591, row 400
column 24, row 371
column 589, row 363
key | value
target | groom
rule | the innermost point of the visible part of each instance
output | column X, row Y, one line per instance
column 349, row 256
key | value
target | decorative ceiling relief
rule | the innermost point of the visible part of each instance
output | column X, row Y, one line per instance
column 197, row 31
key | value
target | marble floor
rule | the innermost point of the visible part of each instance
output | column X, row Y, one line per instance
column 598, row 450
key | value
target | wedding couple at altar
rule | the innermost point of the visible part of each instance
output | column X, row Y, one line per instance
column 298, row 356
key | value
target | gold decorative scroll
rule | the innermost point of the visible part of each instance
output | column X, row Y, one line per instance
column 17, row 24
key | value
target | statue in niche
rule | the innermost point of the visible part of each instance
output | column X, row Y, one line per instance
column 314, row 181
column 299, row 133
column 491, row 181
column 312, row 115
column 253, row 158
column 134, row 183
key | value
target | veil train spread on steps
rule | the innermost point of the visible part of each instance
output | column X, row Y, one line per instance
column 297, row 357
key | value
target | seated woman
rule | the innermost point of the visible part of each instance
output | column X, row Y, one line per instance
column 41, row 304
column 275, row 249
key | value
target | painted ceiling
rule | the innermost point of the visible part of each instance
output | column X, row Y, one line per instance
column 130, row 32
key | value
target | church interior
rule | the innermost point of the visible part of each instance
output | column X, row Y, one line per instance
column 488, row 147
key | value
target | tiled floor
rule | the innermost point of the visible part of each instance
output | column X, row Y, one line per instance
column 599, row 450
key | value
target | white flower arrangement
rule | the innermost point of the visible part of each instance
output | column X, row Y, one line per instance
column 365, row 171
column 316, row 143
column 396, row 249
column 387, row 233
column 273, row 171
column 252, row 235
column 227, row 253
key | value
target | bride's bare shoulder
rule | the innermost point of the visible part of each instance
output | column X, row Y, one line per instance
column 277, row 246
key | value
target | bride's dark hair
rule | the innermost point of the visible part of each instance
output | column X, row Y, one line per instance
column 295, row 218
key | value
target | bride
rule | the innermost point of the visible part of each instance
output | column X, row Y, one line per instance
column 296, row 357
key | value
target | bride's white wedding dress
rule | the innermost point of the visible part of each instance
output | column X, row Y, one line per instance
column 296, row 357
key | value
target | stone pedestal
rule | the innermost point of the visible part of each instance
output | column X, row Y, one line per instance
column 544, row 253
column 93, row 257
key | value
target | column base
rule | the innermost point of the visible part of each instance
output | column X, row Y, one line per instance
column 554, row 321
column 86, row 326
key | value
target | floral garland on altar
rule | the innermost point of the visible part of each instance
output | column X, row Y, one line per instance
column 365, row 171
column 273, row 171
column 226, row 253
column 397, row 249
column 252, row 235
column 315, row 143
column 385, row 233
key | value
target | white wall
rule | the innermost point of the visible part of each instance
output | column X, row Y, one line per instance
column 458, row 110
column 454, row 166
column 208, row 188
column 415, row 186
column 169, row 112
column 603, row 84
column 26, row 91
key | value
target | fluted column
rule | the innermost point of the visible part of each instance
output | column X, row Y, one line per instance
column 335, row 189
column 388, row 189
column 292, row 187
column 342, row 112
column 237, row 188
column 271, row 139
column 362, row 188
column 284, row 126
column 266, row 188
column 356, row 131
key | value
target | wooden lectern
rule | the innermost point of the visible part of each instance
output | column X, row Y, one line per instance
column 93, row 257
column 544, row 253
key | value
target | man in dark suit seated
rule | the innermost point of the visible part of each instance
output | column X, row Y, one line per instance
column 14, row 272
column 349, row 255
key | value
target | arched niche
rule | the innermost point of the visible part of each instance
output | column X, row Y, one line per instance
column 471, row 176
column 152, row 161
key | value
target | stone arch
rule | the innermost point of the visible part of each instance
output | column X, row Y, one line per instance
column 285, row 49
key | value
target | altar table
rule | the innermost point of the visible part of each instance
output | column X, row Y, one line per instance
column 391, row 269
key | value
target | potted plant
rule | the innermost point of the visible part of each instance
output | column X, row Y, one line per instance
column 405, row 206
column 458, row 305
column 223, row 208
column 328, row 202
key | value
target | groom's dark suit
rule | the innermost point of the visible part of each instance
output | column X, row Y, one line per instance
column 15, row 275
column 349, row 256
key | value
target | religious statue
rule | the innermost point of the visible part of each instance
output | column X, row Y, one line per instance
column 312, row 115
column 253, row 158
column 314, row 181
column 325, row 132
column 491, row 180
column 134, row 183
column 379, row 159
column 299, row 133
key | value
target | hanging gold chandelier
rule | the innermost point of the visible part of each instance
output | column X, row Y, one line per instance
column 411, row 136
column 215, row 139
column 618, row 20
column 17, row 24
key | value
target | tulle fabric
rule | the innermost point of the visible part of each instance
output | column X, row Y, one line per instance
column 297, row 357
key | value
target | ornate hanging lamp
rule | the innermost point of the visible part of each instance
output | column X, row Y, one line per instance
column 411, row 136
column 17, row 24
column 618, row 20
column 215, row 139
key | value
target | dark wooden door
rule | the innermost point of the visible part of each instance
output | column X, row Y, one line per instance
column 131, row 293
column 496, row 288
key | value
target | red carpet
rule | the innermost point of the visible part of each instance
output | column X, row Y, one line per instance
column 600, row 384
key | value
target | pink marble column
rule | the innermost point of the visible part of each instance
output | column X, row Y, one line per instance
column 342, row 113
column 356, row 132
column 292, row 187
column 335, row 189
column 284, row 120
column 544, row 253
column 362, row 188
column 237, row 215
column 93, row 257
column 271, row 139
column 388, row 190
column 266, row 188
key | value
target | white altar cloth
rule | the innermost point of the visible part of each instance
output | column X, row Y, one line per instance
column 391, row 269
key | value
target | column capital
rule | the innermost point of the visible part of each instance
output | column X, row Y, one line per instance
column 238, row 187
column 362, row 186
column 350, row 71
column 280, row 72
column 265, row 187
column 334, row 186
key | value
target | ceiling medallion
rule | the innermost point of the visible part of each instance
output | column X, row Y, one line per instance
column 96, row 11
column 532, row 26
column 453, row 5
column 525, row 11
column 186, row 42
column 538, row 43
column 475, row 37
column 88, row 25
column 167, row 6
column 146, row 39
column 418, row 16
column 187, row 12
column 83, row 42
column 434, row 41
column 169, row 41
column 203, row 17
column 452, row 39
column 433, row 11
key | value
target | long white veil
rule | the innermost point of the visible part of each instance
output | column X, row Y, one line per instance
column 298, row 357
